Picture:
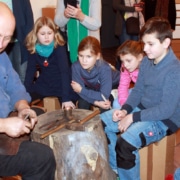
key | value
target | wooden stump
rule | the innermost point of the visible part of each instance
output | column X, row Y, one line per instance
column 80, row 155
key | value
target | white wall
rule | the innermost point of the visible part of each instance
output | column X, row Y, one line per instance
column 37, row 5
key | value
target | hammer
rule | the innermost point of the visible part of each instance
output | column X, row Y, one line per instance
column 72, row 124
column 78, row 125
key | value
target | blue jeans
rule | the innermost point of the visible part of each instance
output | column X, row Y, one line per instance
column 116, row 104
column 111, row 130
column 177, row 174
column 152, row 131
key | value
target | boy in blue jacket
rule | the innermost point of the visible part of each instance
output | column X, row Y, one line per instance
column 152, row 110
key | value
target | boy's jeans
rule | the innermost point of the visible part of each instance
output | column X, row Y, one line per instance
column 152, row 130
column 177, row 174
column 111, row 129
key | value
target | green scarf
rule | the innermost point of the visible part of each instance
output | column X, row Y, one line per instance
column 44, row 50
column 76, row 32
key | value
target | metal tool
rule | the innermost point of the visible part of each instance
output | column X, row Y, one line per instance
column 79, row 125
column 73, row 124
column 51, row 124
column 103, row 97
column 27, row 117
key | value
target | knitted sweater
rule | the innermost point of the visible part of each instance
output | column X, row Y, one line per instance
column 55, row 79
column 157, row 92
column 96, row 82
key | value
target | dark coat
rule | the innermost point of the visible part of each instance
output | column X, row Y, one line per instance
column 120, row 9
column 54, row 80
column 108, row 38
column 24, row 23
column 150, row 7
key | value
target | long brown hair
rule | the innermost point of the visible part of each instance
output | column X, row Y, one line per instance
column 31, row 38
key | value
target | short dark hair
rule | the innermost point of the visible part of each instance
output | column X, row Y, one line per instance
column 158, row 25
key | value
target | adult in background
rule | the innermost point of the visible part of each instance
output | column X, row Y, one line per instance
column 80, row 19
column 24, row 22
column 162, row 8
column 125, row 9
column 34, row 161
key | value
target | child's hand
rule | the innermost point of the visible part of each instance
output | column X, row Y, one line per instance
column 125, row 123
column 103, row 104
column 76, row 87
column 118, row 115
column 68, row 104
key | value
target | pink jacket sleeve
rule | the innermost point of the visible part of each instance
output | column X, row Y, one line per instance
column 124, row 83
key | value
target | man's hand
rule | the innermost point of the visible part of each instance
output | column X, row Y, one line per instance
column 15, row 126
column 32, row 116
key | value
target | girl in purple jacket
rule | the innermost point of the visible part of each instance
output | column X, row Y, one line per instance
column 92, row 77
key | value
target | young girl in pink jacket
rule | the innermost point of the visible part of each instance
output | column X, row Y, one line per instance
column 131, row 55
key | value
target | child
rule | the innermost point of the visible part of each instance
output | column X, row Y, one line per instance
column 131, row 54
column 47, row 51
column 151, row 111
column 92, row 78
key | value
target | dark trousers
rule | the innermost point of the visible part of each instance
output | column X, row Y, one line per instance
column 34, row 161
